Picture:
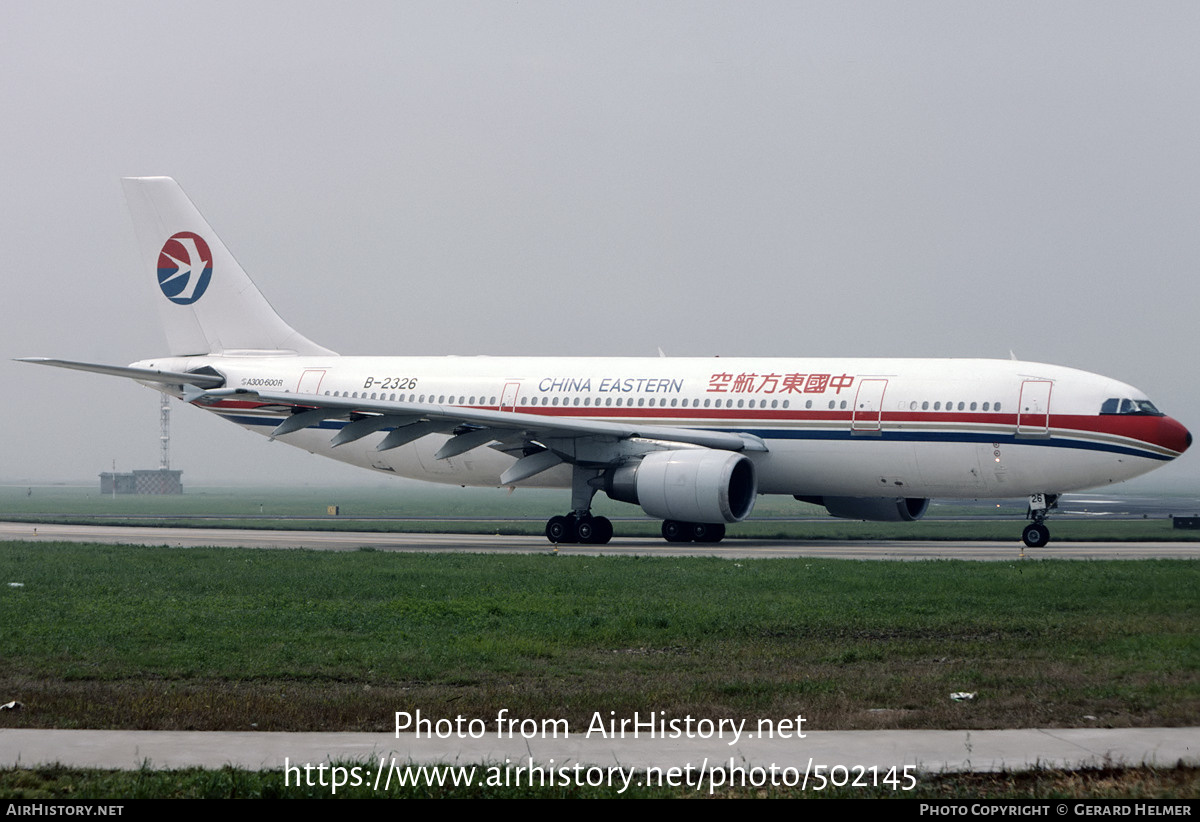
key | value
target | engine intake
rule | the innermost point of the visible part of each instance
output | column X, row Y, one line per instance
column 691, row 485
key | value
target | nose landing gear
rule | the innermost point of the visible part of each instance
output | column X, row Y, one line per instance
column 1036, row 534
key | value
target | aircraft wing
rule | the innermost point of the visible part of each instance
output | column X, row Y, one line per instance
column 555, row 439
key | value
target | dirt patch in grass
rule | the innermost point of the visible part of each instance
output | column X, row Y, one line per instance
column 831, row 695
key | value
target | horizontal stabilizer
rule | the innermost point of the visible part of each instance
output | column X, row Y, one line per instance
column 143, row 374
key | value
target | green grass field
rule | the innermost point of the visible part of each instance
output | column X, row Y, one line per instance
column 123, row 637
column 104, row 636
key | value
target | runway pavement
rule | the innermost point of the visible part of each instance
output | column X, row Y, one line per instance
column 489, row 543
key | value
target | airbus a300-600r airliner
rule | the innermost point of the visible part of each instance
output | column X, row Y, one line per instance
column 692, row 441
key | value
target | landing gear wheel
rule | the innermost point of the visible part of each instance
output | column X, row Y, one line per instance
column 1035, row 535
column 676, row 531
column 562, row 529
column 602, row 529
column 586, row 530
column 708, row 532
column 594, row 530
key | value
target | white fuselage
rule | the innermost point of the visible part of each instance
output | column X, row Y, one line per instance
column 831, row 427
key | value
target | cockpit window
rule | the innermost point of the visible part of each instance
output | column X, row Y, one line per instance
column 1143, row 408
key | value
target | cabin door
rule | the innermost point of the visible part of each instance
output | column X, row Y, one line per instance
column 508, row 402
column 868, row 407
column 1033, row 412
column 310, row 382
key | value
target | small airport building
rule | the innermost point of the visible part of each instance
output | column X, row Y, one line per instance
column 160, row 481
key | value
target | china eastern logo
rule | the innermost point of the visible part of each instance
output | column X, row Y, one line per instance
column 184, row 268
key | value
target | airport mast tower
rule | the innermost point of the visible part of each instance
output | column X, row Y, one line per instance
column 164, row 449
column 162, row 481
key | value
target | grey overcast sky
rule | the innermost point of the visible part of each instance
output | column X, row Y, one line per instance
column 598, row 178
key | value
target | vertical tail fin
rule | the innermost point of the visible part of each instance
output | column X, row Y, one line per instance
column 207, row 302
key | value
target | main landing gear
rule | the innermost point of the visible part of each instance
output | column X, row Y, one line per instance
column 1036, row 534
column 591, row 530
column 580, row 526
column 675, row 531
column 584, row 529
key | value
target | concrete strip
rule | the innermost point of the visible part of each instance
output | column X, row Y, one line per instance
column 930, row 751
column 627, row 546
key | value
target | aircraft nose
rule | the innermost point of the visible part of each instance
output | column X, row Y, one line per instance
column 1173, row 435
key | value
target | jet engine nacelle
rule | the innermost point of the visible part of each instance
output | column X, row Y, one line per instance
column 691, row 485
column 874, row 509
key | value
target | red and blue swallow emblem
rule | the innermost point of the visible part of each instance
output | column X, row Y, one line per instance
column 184, row 267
